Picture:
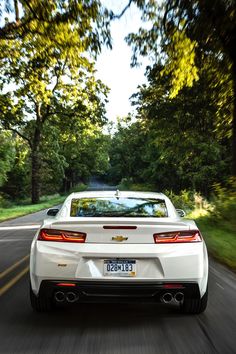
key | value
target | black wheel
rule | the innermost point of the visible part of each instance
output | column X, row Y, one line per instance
column 40, row 303
column 195, row 306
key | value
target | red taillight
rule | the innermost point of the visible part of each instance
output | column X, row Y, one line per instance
column 66, row 284
column 61, row 236
column 178, row 237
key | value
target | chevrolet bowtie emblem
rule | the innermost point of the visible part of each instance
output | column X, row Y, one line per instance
column 119, row 238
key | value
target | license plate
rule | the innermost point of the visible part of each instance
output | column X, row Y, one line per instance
column 120, row 267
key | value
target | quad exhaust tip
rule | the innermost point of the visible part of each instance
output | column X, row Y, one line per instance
column 166, row 298
column 59, row 296
column 71, row 296
column 179, row 297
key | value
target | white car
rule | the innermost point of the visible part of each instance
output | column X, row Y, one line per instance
column 118, row 246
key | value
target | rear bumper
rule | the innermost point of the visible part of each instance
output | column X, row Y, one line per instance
column 83, row 263
column 97, row 291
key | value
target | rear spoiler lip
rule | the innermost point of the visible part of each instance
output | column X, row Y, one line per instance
column 107, row 223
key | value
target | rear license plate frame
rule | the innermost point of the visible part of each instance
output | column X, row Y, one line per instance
column 120, row 267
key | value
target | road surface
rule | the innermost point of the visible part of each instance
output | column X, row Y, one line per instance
column 106, row 328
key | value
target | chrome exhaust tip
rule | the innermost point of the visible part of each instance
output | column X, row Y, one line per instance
column 166, row 298
column 179, row 297
column 59, row 296
column 71, row 297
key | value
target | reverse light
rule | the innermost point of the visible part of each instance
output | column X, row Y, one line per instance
column 178, row 237
column 61, row 236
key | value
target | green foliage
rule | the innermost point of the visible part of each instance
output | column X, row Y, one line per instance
column 4, row 201
column 224, row 200
column 127, row 184
column 220, row 239
column 184, row 200
column 218, row 223
column 179, row 31
column 180, row 64
column 7, row 155
column 84, row 149
column 69, row 154
column 185, row 35
column 17, row 185
column 79, row 188
column 53, row 21
column 186, row 110
column 46, row 57
column 174, row 143
column 126, row 151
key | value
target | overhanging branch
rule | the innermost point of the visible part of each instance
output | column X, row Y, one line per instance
column 21, row 135
column 114, row 17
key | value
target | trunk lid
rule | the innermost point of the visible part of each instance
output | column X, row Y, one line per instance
column 133, row 231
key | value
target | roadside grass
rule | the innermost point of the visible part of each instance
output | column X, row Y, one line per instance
column 219, row 235
column 25, row 207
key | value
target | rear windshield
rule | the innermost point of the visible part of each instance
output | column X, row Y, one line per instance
column 115, row 207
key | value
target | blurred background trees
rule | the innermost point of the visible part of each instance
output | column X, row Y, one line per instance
column 173, row 143
column 187, row 111
column 185, row 37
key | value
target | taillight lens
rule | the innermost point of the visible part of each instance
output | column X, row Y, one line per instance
column 178, row 237
column 61, row 236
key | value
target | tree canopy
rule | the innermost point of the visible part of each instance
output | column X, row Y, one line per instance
column 182, row 35
column 46, row 70
column 173, row 143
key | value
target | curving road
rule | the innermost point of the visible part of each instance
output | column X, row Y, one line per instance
column 106, row 328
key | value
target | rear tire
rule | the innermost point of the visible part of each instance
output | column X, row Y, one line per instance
column 40, row 303
column 195, row 306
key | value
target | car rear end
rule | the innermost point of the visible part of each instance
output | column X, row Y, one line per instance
column 101, row 259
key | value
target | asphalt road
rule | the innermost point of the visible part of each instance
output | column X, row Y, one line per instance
column 106, row 328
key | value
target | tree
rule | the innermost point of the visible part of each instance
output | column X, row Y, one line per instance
column 182, row 34
column 82, row 145
column 127, row 151
column 191, row 153
column 45, row 69
column 174, row 143
column 44, row 18
column 17, row 183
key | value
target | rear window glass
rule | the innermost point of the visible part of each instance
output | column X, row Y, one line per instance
column 115, row 207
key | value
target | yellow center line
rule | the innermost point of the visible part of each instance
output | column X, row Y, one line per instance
column 13, row 281
column 13, row 266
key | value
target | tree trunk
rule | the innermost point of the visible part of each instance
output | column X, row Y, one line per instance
column 35, row 166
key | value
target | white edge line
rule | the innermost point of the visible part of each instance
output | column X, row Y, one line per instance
column 20, row 227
